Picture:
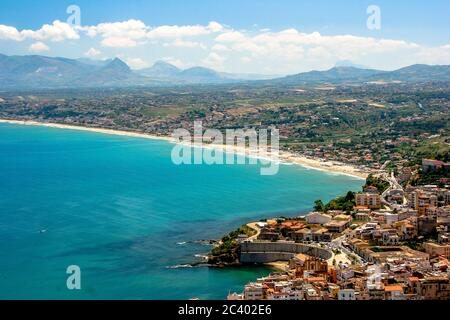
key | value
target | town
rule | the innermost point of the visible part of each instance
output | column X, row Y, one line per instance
column 384, row 243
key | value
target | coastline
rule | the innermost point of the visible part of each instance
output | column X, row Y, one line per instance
column 284, row 156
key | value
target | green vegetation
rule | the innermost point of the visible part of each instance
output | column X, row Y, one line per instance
column 430, row 178
column 228, row 250
column 345, row 203
column 380, row 184
column 414, row 244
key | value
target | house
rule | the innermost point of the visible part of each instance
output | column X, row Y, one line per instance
column 435, row 287
column 394, row 292
column 268, row 234
column 429, row 165
column 317, row 218
column 311, row 234
column 390, row 239
column 254, row 291
column 371, row 189
column 338, row 224
column 346, row 294
column 421, row 200
column 435, row 250
column 362, row 216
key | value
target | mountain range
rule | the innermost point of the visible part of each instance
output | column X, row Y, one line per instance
column 33, row 71
column 336, row 75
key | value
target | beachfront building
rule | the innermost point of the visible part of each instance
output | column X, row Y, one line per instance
column 368, row 200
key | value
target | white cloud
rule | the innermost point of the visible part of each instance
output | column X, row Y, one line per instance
column 176, row 62
column 118, row 42
column 133, row 32
column 38, row 47
column 215, row 26
column 165, row 32
column 58, row 31
column 133, row 29
column 219, row 47
column 179, row 43
column 137, row 63
column 10, row 33
column 293, row 51
column 285, row 51
column 92, row 52
column 231, row 36
column 214, row 60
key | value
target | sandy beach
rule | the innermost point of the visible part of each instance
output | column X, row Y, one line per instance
column 278, row 265
column 284, row 156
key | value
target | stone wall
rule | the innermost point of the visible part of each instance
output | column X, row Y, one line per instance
column 265, row 251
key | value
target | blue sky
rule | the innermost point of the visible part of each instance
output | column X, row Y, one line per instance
column 421, row 23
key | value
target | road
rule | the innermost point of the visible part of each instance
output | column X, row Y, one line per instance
column 254, row 226
column 393, row 185
column 344, row 256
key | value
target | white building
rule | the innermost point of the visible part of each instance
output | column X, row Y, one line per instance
column 317, row 218
column 346, row 294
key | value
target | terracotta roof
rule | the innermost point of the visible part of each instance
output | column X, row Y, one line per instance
column 393, row 288
column 314, row 279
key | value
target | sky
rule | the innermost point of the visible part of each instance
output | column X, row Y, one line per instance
column 245, row 36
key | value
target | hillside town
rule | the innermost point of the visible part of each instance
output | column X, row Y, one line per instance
column 392, row 244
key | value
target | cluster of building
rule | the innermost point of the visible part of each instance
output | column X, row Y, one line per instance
column 310, row 278
column 402, row 249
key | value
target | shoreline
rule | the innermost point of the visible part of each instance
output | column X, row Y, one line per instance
column 285, row 157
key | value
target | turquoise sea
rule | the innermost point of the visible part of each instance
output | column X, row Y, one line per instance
column 118, row 208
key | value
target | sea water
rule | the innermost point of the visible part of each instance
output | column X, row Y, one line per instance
column 119, row 208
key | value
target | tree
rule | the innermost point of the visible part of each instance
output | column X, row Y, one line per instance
column 319, row 206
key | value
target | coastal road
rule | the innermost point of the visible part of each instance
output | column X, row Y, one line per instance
column 254, row 226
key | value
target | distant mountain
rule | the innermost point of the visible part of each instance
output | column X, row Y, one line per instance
column 19, row 72
column 48, row 72
column 164, row 71
column 336, row 75
column 98, row 63
column 203, row 75
column 348, row 63
column 248, row 76
column 417, row 73
column 116, row 72
column 39, row 71
column 161, row 70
